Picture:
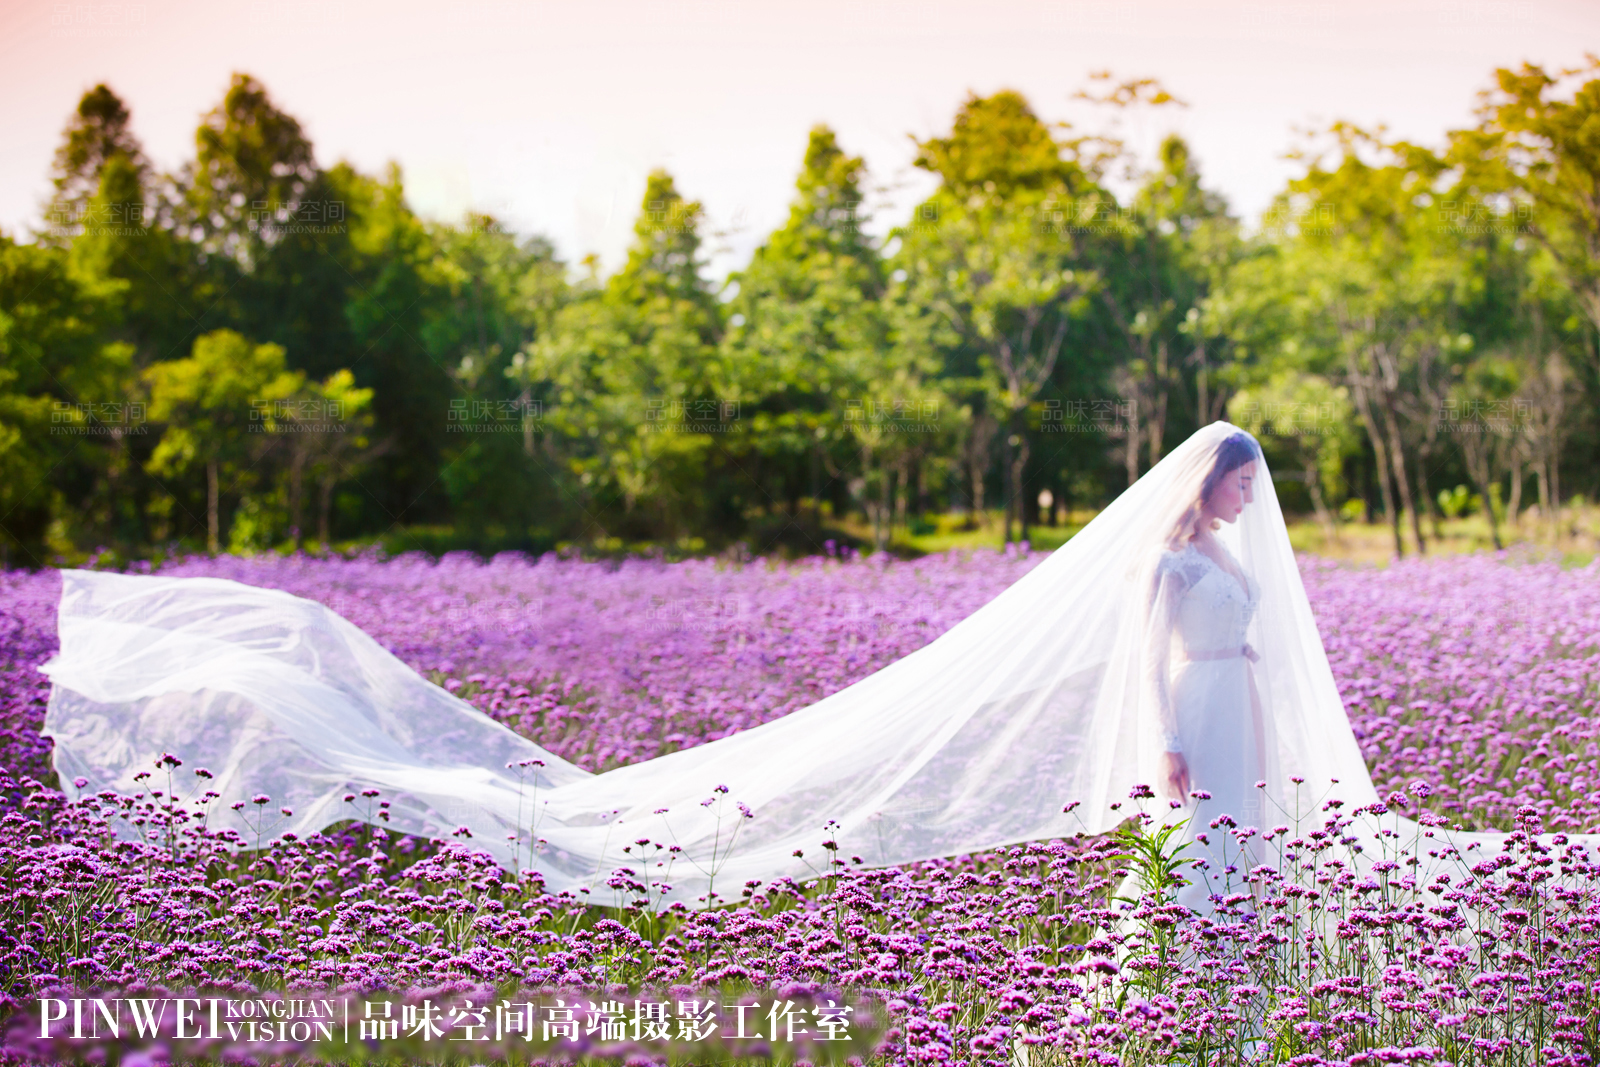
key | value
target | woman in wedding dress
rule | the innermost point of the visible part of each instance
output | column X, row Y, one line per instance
column 1203, row 602
column 1168, row 645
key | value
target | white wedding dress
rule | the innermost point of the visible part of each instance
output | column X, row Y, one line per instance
column 1212, row 714
column 1036, row 717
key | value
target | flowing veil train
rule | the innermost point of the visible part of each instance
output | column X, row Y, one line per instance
column 979, row 739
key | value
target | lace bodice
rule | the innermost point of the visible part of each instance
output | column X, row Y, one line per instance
column 1211, row 612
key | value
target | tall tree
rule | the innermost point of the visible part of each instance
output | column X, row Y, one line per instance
column 62, row 384
column 1159, row 260
column 99, row 133
column 988, row 260
column 211, row 404
column 807, row 344
column 505, row 293
column 329, row 442
column 253, row 170
column 1377, row 291
column 397, row 336
column 1542, row 148
column 126, row 247
column 633, row 376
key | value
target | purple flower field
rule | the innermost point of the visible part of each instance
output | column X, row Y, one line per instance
column 1470, row 682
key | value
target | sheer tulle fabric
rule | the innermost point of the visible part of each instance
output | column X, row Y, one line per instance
column 1063, row 688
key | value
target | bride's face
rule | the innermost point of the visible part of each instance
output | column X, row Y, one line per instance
column 1233, row 493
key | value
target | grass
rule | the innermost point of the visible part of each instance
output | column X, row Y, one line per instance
column 1354, row 542
column 1577, row 542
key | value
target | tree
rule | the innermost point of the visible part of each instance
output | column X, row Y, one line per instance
column 504, row 294
column 807, row 345
column 997, row 267
column 399, row 337
column 1543, row 152
column 1303, row 421
column 329, row 440
column 211, row 403
column 998, row 146
column 61, row 382
column 1157, row 257
column 1379, row 291
column 632, row 373
column 98, row 135
column 1158, row 263
column 1487, row 443
column 253, row 170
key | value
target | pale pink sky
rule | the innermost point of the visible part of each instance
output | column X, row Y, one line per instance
column 550, row 114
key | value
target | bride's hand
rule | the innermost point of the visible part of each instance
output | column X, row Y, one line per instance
column 1177, row 776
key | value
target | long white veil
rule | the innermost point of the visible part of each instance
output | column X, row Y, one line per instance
column 977, row 740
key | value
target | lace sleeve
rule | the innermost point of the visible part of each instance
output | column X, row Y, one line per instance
column 1170, row 583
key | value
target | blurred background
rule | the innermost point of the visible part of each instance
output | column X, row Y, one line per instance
column 699, row 277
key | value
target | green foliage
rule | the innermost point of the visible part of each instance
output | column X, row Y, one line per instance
column 1454, row 502
column 56, row 360
column 253, row 164
column 1543, row 153
column 633, row 376
column 1000, row 147
column 212, row 404
column 97, row 136
column 1029, row 328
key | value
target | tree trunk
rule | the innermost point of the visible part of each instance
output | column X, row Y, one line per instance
column 1324, row 516
column 886, row 500
column 919, row 484
column 213, row 523
column 1019, row 463
column 1426, row 493
column 816, row 485
column 1547, row 476
column 978, row 466
column 1006, row 452
column 1555, row 492
column 525, row 402
column 297, row 471
column 1160, row 391
column 1514, row 507
column 1398, row 459
column 1130, row 451
column 888, row 506
column 902, row 495
column 324, row 508
column 1380, row 453
column 1477, row 450
column 1541, row 476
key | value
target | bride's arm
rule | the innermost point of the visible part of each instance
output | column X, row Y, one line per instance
column 1167, row 589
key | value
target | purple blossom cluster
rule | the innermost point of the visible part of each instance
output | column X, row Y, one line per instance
column 1467, row 681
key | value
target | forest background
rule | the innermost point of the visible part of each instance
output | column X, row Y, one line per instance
column 259, row 352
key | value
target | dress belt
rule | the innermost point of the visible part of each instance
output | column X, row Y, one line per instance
column 1228, row 653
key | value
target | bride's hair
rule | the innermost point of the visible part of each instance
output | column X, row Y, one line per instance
column 1235, row 450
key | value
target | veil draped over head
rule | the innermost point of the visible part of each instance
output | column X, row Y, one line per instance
column 977, row 740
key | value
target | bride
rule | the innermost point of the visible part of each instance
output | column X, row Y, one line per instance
column 1168, row 646
column 1202, row 600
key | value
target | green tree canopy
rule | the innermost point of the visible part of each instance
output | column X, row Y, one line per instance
column 211, row 404
column 99, row 133
column 632, row 368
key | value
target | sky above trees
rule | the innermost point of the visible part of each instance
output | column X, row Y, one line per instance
column 551, row 116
